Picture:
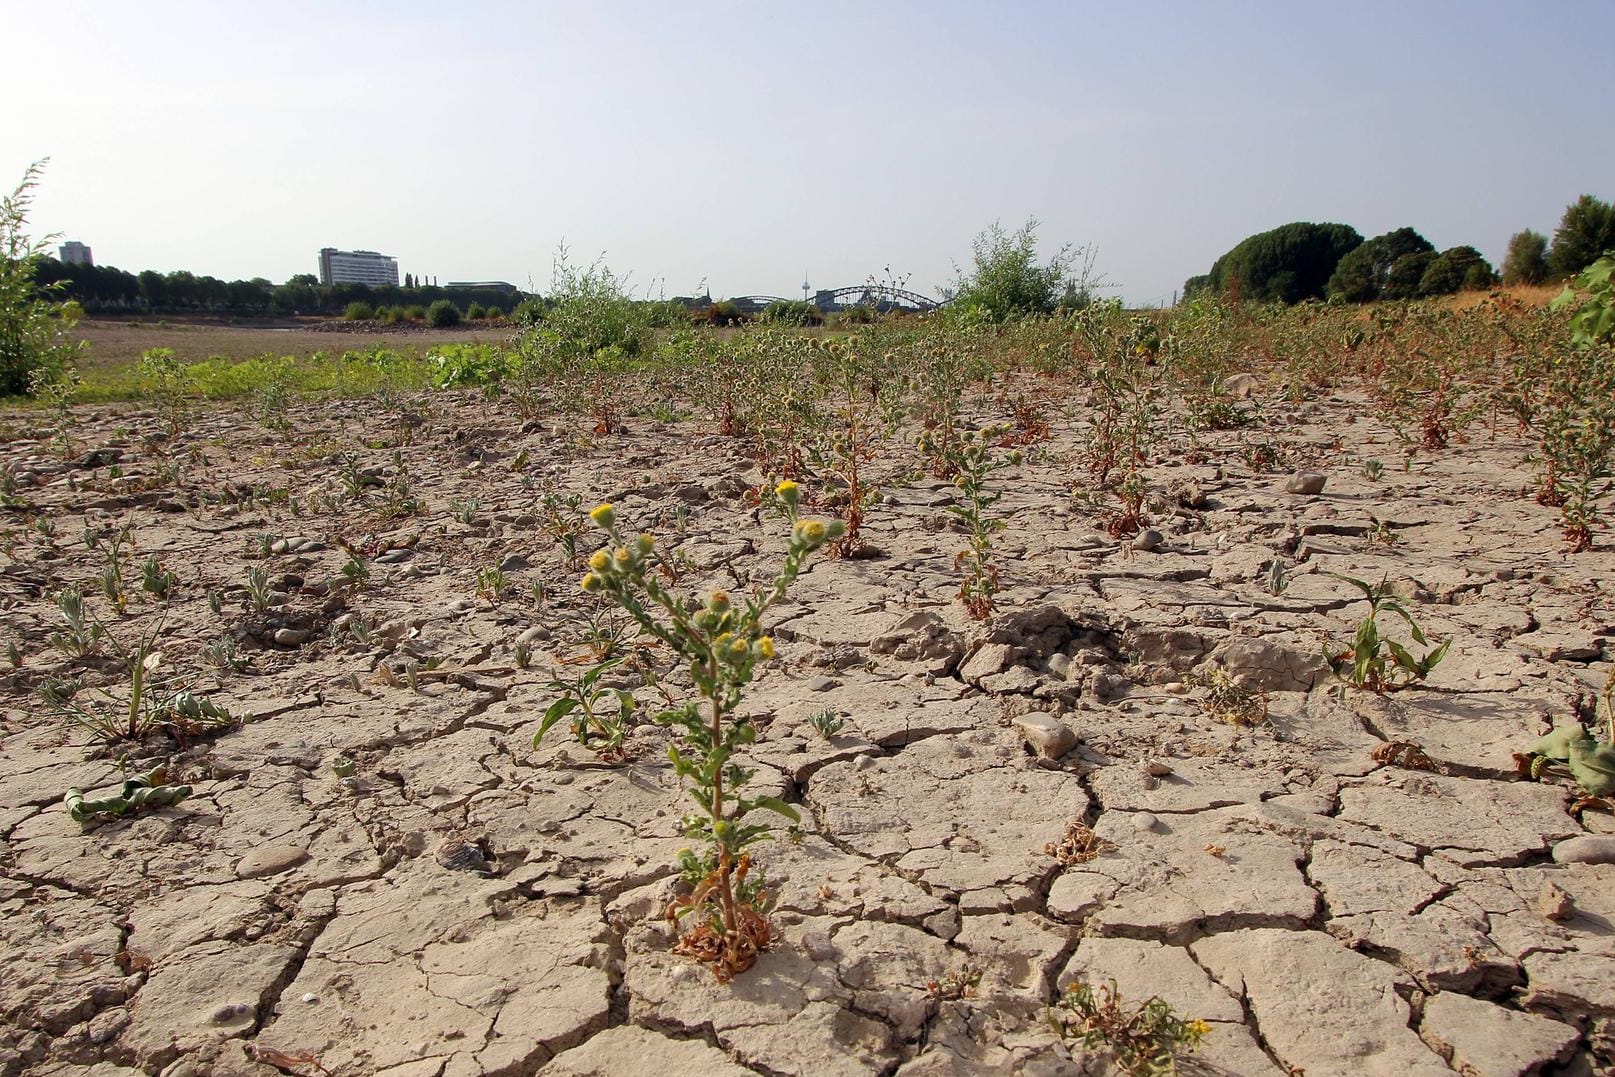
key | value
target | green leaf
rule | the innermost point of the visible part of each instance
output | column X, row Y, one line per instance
column 557, row 710
column 776, row 805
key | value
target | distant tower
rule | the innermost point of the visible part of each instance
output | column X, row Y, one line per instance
column 74, row 253
column 807, row 289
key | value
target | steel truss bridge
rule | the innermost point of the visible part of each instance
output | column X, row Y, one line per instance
column 881, row 297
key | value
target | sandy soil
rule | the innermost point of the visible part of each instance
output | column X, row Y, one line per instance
column 463, row 904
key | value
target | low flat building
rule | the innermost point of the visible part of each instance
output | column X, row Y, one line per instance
column 485, row 286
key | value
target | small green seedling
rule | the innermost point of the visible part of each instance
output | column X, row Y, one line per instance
column 258, row 590
column 1373, row 661
column 599, row 715
column 1277, row 580
column 156, row 580
column 83, row 635
column 827, row 723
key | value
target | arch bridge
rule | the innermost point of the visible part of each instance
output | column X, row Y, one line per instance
column 882, row 297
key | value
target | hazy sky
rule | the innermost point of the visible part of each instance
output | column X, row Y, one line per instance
column 744, row 144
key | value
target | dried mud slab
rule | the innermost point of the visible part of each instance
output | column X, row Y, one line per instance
column 377, row 872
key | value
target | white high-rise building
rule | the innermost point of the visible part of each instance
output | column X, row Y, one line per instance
column 357, row 267
column 74, row 253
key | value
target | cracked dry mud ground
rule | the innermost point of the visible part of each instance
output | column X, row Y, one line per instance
column 1325, row 913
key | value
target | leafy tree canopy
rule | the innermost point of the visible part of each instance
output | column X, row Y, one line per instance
column 1363, row 273
column 1406, row 274
column 1289, row 264
column 1585, row 232
column 1456, row 269
column 1527, row 258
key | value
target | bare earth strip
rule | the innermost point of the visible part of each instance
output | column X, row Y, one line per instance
column 462, row 904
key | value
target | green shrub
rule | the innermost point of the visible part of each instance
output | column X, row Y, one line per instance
column 529, row 311
column 795, row 312
column 415, row 313
column 1007, row 282
column 475, row 313
column 35, row 348
column 359, row 311
column 442, row 315
column 724, row 313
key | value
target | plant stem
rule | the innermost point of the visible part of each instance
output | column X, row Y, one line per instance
column 726, row 896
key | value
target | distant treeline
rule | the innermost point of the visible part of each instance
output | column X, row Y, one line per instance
column 1303, row 260
column 107, row 289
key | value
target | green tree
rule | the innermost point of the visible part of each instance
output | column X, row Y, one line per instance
column 1527, row 259
column 1361, row 274
column 1006, row 281
column 1288, row 264
column 1456, row 269
column 35, row 348
column 1407, row 273
column 1586, row 231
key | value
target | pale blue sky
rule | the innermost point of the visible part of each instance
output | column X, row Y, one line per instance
column 746, row 143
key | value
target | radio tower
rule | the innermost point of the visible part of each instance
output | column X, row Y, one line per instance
column 807, row 289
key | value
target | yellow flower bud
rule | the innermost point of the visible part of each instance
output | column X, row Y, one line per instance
column 645, row 544
column 810, row 531
column 600, row 561
column 718, row 601
column 604, row 515
column 765, row 647
column 590, row 582
column 623, row 557
column 789, row 492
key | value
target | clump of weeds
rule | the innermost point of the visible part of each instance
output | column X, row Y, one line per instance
column 1143, row 1040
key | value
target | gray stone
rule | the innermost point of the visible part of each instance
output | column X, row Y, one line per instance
column 1586, row 849
column 1305, row 482
column 991, row 658
column 1048, row 736
column 270, row 860
column 1147, row 540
